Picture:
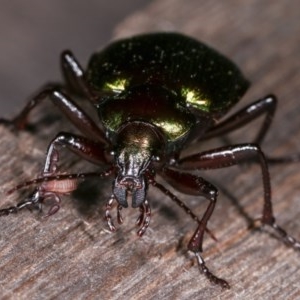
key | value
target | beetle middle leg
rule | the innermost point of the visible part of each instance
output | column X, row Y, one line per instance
column 264, row 106
column 237, row 154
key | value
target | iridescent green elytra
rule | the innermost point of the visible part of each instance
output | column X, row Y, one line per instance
column 163, row 78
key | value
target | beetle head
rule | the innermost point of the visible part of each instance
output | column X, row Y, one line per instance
column 138, row 144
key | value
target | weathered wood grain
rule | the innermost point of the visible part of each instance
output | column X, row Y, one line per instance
column 73, row 256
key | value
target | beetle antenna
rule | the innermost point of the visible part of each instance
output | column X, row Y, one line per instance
column 59, row 177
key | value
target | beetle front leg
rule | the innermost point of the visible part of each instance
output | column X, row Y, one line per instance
column 86, row 148
column 234, row 155
column 194, row 185
column 58, row 183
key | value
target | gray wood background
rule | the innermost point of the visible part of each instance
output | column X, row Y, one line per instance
column 33, row 34
column 73, row 256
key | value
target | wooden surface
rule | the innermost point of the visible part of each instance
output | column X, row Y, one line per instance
column 72, row 255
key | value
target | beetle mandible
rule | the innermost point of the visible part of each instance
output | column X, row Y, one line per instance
column 156, row 95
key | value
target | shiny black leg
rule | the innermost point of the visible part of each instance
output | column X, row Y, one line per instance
column 74, row 76
column 53, row 184
column 265, row 106
column 194, row 185
column 68, row 107
column 88, row 149
column 233, row 155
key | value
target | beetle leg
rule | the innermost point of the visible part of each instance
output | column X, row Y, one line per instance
column 30, row 201
column 84, row 147
column 68, row 107
column 74, row 76
column 37, row 198
column 58, row 182
column 237, row 154
column 266, row 105
column 194, row 185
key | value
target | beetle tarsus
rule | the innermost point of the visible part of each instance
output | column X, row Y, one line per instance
column 8, row 211
column 281, row 233
column 285, row 237
column 209, row 275
column 29, row 202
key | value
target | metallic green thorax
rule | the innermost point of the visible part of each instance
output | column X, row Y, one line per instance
column 149, row 103
column 158, row 77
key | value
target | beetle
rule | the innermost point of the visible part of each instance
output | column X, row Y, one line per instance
column 156, row 95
